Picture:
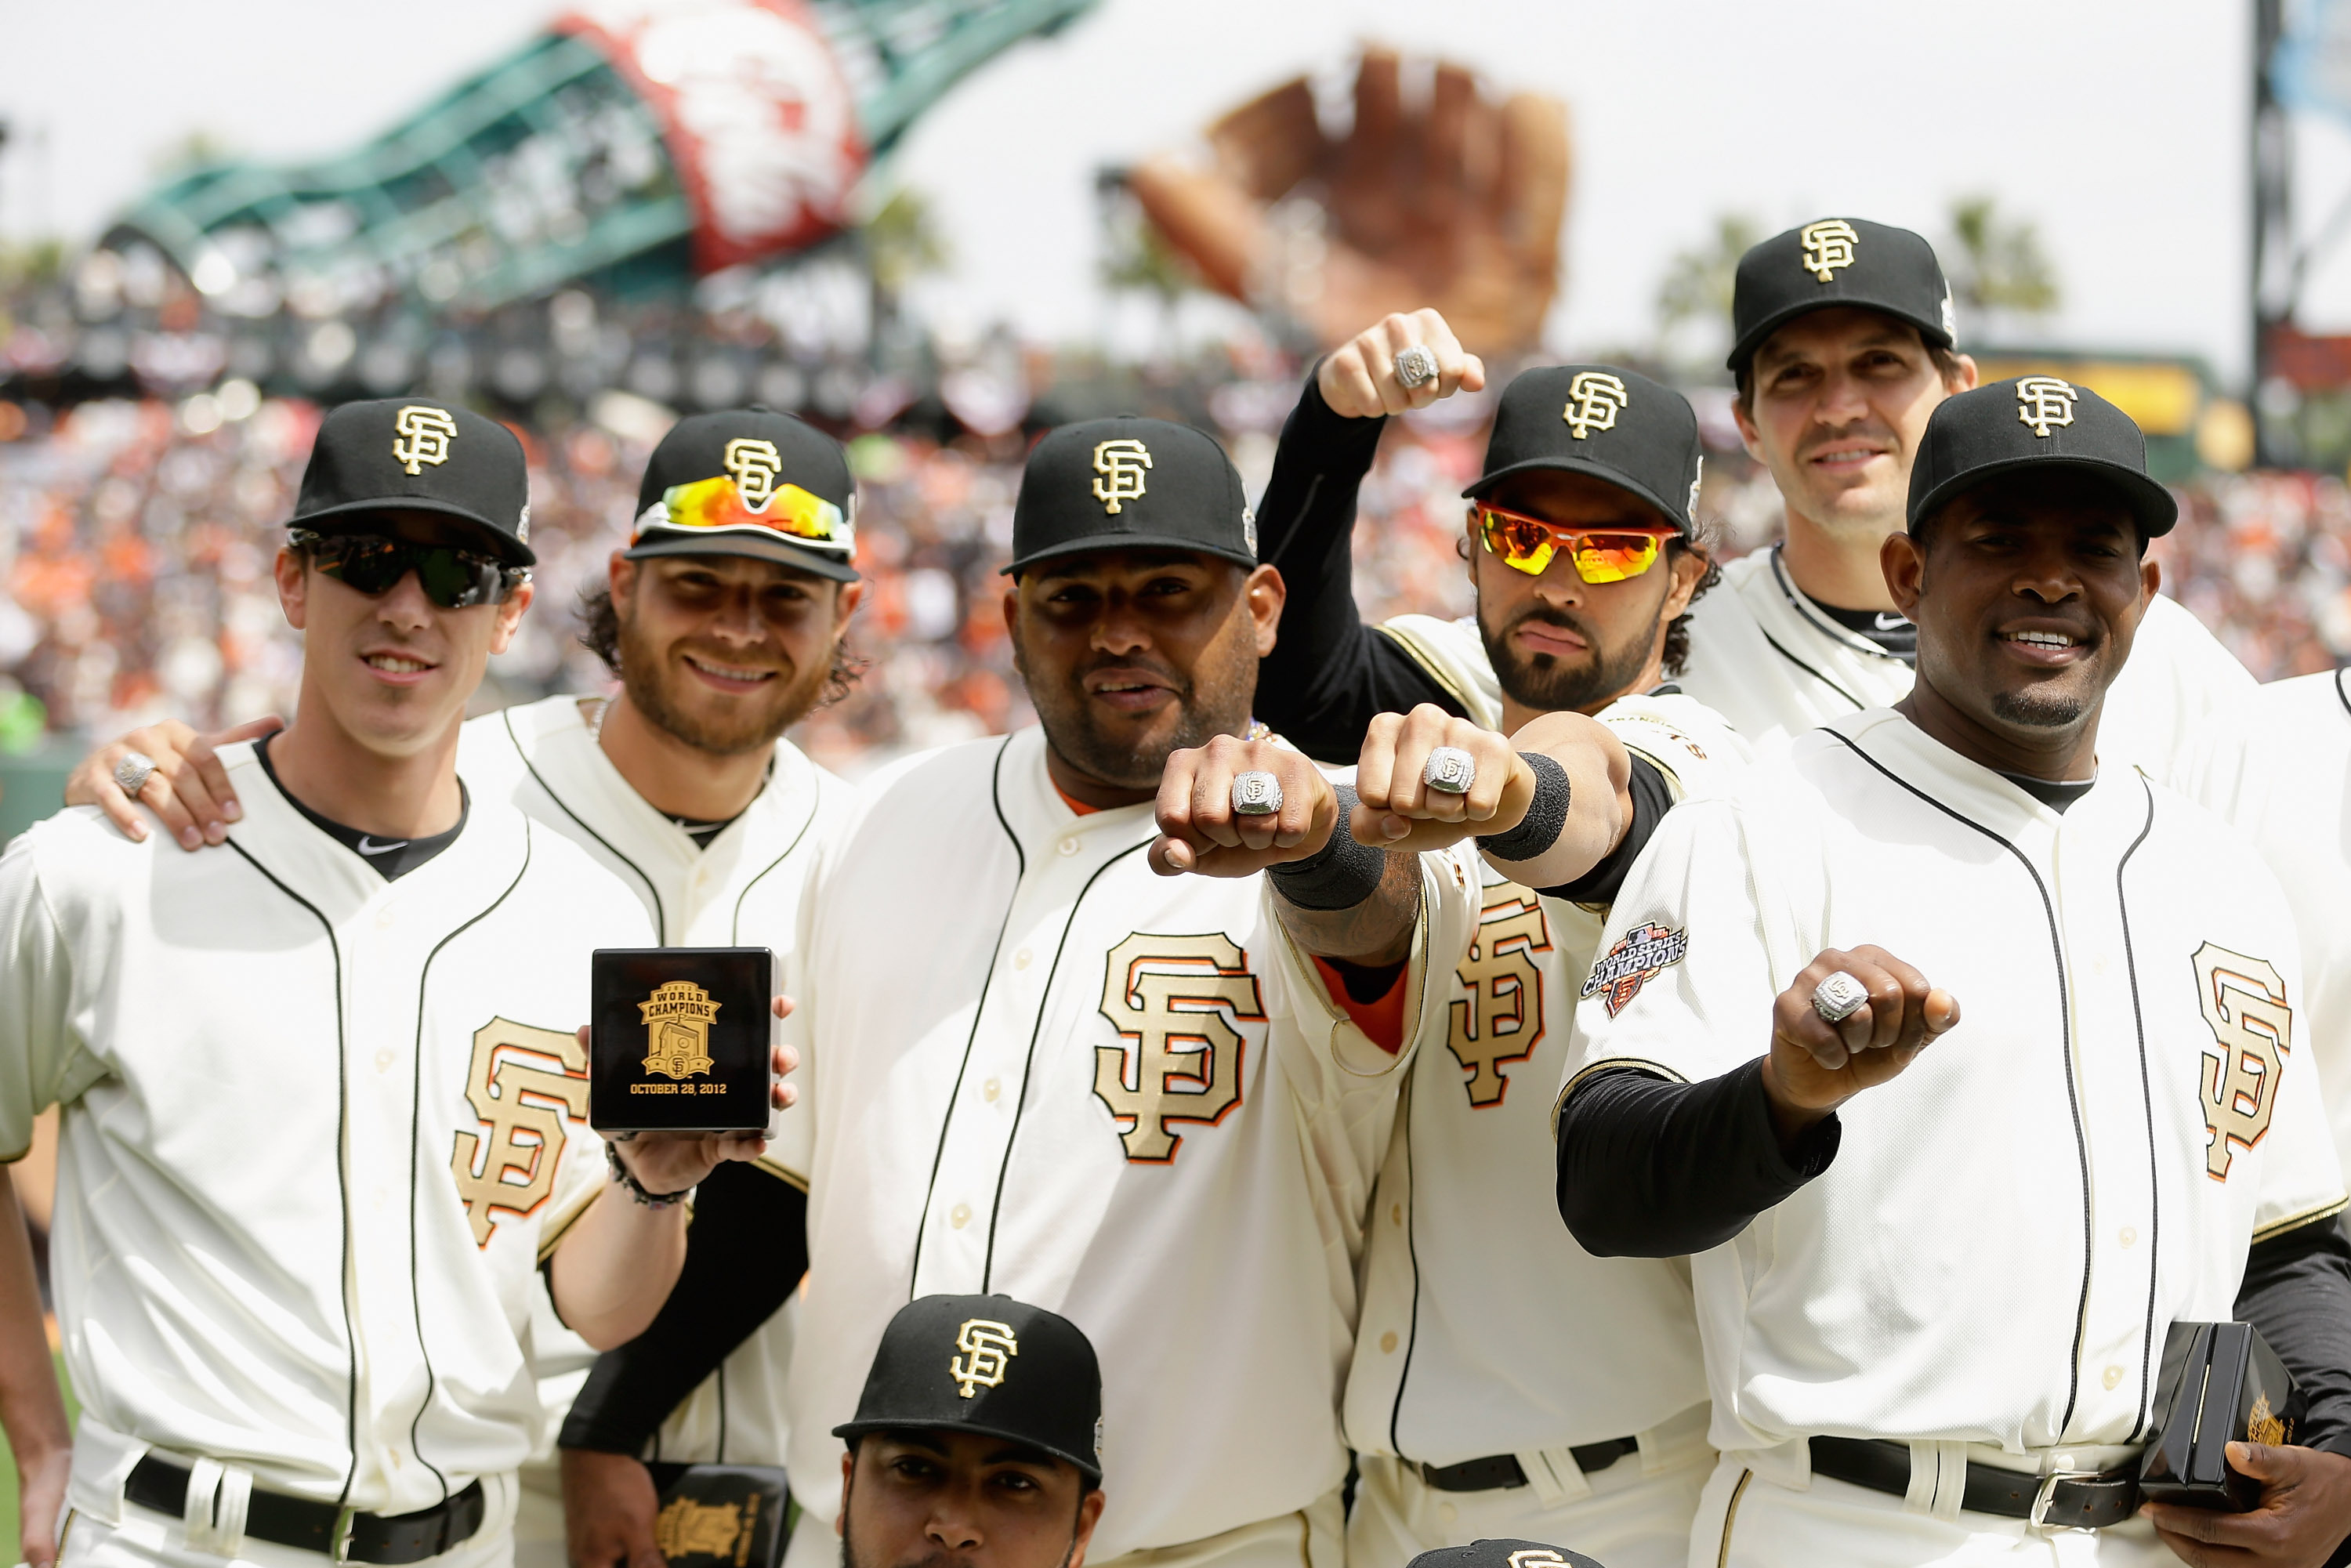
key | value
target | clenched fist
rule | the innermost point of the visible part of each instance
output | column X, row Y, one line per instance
column 1200, row 830
column 1816, row 1065
column 1399, row 810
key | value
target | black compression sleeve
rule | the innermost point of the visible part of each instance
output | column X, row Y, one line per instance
column 1649, row 1168
column 744, row 1253
column 1652, row 799
column 2297, row 1291
column 1328, row 672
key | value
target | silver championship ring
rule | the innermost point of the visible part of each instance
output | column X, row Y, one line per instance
column 133, row 771
column 1451, row 770
column 1416, row 368
column 1255, row 793
column 1839, row 996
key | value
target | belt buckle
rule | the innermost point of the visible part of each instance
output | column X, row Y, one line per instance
column 2039, row 1518
column 338, row 1546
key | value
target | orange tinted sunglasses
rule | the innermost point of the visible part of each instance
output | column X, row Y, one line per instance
column 718, row 503
column 1601, row 555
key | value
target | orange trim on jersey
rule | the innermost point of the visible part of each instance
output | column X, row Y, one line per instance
column 1073, row 803
column 1381, row 1018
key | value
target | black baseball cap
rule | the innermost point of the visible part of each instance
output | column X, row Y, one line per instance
column 1839, row 261
column 1503, row 1555
column 1129, row 482
column 401, row 453
column 988, row 1365
column 1614, row 425
column 2035, row 421
column 749, row 482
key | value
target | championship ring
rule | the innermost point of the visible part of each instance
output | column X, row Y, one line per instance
column 1415, row 367
column 1255, row 793
column 133, row 771
column 680, row 1040
column 1451, row 770
column 1839, row 996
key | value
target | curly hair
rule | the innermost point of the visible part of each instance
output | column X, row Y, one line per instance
column 600, row 634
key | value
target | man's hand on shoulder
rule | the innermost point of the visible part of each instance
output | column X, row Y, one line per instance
column 189, row 788
column 1814, row 1065
column 1358, row 379
column 1202, row 831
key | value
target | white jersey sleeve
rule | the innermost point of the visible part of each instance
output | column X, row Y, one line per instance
column 43, row 1060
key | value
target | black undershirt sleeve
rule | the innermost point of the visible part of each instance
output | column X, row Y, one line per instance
column 2297, row 1291
column 1329, row 673
column 1651, row 1168
column 745, row 1254
column 1652, row 799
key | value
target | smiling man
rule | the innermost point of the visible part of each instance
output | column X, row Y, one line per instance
column 323, row 1106
column 1979, row 1060
column 722, row 619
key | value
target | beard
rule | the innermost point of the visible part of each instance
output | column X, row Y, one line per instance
column 1547, row 683
column 650, row 680
column 2040, row 707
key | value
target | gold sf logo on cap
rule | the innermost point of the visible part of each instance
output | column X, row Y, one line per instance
column 987, row 1349
column 2044, row 400
column 677, row 1017
column 754, row 466
column 1828, row 245
column 1119, row 467
column 1594, row 398
column 1537, row 1557
column 424, row 437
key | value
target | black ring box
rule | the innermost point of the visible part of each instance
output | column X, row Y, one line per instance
column 2220, row 1383
column 680, row 1039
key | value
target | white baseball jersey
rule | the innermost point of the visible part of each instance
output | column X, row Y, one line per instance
column 2009, row 1227
column 1037, row 1067
column 318, row 1129
column 1767, row 659
column 2281, row 774
column 1480, row 1312
column 744, row 890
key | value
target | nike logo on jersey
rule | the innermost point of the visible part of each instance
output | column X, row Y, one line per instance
column 1892, row 622
column 368, row 846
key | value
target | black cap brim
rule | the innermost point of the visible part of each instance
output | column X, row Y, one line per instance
column 1109, row 544
column 503, row 545
column 1600, row 471
column 2152, row 506
column 1758, row 335
column 752, row 547
column 1085, row 1467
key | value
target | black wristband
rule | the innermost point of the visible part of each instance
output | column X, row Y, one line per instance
column 1341, row 875
column 1546, row 816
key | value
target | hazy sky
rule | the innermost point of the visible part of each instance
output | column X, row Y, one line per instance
column 2117, row 125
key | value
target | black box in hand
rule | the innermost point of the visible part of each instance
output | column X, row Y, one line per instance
column 719, row 1516
column 679, row 1042
column 2220, row 1383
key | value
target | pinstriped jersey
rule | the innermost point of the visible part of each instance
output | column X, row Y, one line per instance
column 2008, row 1228
column 742, row 890
column 318, row 1130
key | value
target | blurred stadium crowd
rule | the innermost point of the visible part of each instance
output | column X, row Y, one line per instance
column 136, row 539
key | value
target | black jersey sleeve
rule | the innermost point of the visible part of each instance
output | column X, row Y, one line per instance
column 1652, row 799
column 1328, row 672
column 1650, row 1168
column 745, row 1254
column 2297, row 1291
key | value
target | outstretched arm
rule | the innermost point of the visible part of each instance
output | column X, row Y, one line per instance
column 30, row 1409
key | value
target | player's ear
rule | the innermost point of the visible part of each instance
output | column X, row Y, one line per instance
column 1267, row 593
column 621, row 575
column 1904, row 561
column 511, row 617
column 846, row 597
column 1090, row 1509
column 292, row 570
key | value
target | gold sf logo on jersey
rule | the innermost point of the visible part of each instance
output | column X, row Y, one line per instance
column 522, row 1080
column 2243, row 1000
column 1171, row 996
column 1499, row 1017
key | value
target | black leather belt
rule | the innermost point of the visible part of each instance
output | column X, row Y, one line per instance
column 1496, row 1470
column 2074, row 1501
column 158, row 1483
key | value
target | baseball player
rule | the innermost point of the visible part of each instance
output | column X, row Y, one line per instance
column 2034, row 1086
column 1041, row 1069
column 2280, row 772
column 1844, row 347
column 294, row 1288
column 1473, row 1400
column 978, row 1437
column 722, row 619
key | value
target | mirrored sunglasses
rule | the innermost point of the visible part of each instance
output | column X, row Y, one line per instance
column 718, row 504
column 1599, row 555
column 373, row 565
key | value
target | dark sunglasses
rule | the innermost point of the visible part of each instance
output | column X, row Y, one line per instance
column 371, row 564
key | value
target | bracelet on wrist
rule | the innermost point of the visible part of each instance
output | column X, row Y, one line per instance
column 1546, row 816
column 637, row 1191
column 1341, row 875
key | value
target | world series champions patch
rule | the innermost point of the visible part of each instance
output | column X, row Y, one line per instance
column 1638, row 957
